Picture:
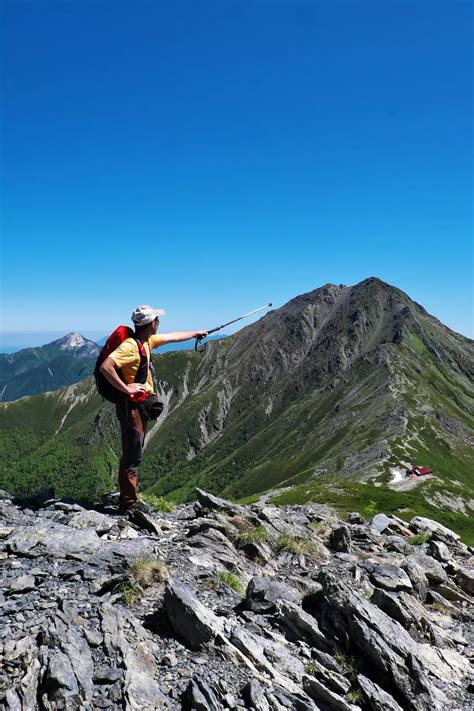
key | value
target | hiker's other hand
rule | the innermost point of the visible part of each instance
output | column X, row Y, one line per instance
column 136, row 388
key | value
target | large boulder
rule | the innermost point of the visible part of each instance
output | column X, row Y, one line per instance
column 340, row 539
column 432, row 569
column 98, row 522
column 390, row 577
column 263, row 595
column 377, row 698
column 190, row 619
column 437, row 530
column 53, row 539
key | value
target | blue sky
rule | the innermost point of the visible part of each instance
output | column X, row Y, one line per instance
column 211, row 157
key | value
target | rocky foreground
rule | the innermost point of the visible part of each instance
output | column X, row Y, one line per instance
column 220, row 606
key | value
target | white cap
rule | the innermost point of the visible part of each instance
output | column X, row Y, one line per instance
column 146, row 314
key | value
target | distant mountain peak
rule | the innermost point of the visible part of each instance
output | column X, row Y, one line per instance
column 76, row 345
column 71, row 341
column 44, row 368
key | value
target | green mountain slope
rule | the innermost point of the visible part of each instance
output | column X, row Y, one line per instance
column 328, row 394
column 332, row 385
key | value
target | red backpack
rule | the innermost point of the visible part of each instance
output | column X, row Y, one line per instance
column 104, row 387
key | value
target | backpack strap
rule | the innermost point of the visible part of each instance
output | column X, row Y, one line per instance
column 142, row 372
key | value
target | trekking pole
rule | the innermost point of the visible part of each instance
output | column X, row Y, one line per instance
column 218, row 328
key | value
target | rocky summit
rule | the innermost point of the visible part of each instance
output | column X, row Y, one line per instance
column 215, row 605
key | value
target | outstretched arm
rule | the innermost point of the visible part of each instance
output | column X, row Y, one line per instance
column 178, row 336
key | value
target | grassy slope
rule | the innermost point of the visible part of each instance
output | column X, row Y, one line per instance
column 370, row 499
column 424, row 388
column 35, row 456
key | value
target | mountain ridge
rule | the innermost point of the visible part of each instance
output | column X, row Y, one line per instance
column 339, row 384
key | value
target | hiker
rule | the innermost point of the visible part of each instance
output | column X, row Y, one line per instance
column 121, row 368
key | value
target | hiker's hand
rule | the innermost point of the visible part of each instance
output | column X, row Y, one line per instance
column 136, row 388
column 200, row 334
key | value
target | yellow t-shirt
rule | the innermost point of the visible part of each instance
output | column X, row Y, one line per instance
column 127, row 358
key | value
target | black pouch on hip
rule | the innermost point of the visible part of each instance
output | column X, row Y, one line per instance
column 151, row 408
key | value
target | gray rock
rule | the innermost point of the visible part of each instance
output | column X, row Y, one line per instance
column 397, row 544
column 169, row 660
column 204, row 524
column 5, row 531
column 200, row 696
column 62, row 506
column 455, row 612
column 320, row 693
column 451, row 592
column 465, row 580
column 439, row 551
column 438, row 531
column 13, row 702
column 145, row 521
column 327, row 660
column 91, row 519
column 273, row 516
column 23, row 584
column 281, row 699
column 390, row 577
column 141, row 690
column 346, row 557
column 434, row 571
column 284, row 660
column 52, row 539
column 116, row 557
column 301, row 624
column 408, row 666
column 107, row 675
column 380, row 521
column 80, row 656
column 217, row 547
column 263, row 594
column 102, row 702
column 115, row 694
column 257, row 551
column 378, row 699
column 112, row 628
column 398, row 526
column 29, row 683
column 417, row 578
column 330, row 678
column 403, row 608
column 340, row 539
column 215, row 503
column 64, row 647
column 230, row 701
column 254, row 647
column 93, row 637
column 189, row 618
column 254, row 696
column 60, row 671
column 355, row 517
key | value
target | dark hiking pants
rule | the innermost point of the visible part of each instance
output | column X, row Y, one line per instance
column 133, row 429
